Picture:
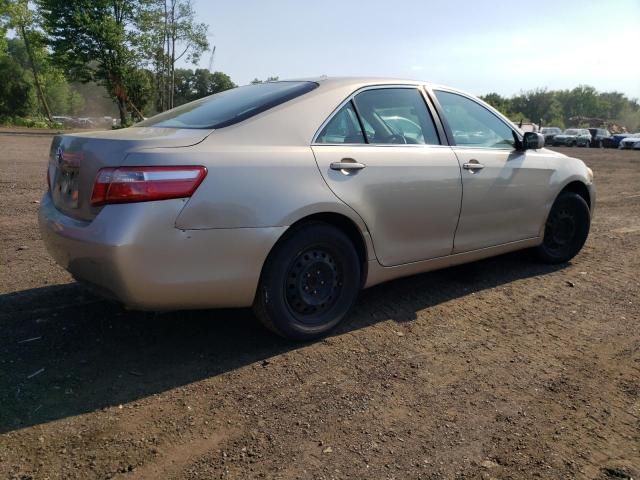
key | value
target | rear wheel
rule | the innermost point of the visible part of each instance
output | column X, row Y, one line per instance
column 309, row 282
column 566, row 229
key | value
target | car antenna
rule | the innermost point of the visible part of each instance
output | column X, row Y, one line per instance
column 520, row 124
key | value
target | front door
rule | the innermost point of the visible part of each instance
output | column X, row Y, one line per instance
column 381, row 155
column 504, row 189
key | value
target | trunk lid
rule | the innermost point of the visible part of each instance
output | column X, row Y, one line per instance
column 74, row 160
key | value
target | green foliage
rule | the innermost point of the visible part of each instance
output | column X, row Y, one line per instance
column 94, row 40
column 16, row 90
column 141, row 89
column 192, row 85
column 28, row 122
column 169, row 33
column 4, row 25
column 62, row 98
column 581, row 106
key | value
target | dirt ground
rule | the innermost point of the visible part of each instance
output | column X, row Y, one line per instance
column 498, row 369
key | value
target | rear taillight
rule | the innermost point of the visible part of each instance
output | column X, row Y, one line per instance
column 143, row 184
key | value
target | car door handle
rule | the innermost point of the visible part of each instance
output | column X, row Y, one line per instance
column 473, row 165
column 347, row 166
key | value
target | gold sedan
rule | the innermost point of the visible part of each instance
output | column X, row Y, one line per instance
column 291, row 196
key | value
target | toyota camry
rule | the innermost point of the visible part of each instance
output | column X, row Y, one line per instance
column 292, row 196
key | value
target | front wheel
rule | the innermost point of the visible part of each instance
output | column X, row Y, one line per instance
column 309, row 282
column 566, row 229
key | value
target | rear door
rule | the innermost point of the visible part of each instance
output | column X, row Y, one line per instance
column 505, row 189
column 381, row 154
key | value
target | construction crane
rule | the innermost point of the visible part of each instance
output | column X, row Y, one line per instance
column 213, row 52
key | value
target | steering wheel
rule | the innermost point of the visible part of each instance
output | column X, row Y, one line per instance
column 397, row 136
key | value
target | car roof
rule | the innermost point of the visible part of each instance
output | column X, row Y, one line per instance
column 362, row 81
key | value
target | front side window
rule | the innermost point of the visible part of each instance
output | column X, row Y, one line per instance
column 473, row 125
column 342, row 128
column 229, row 107
column 396, row 116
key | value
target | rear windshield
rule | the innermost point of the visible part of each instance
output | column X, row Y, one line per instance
column 229, row 107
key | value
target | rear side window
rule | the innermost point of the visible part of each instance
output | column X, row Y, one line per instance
column 229, row 107
column 343, row 128
column 396, row 115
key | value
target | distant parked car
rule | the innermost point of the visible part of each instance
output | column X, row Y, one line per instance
column 573, row 137
column 64, row 120
column 598, row 136
column 631, row 142
column 549, row 133
column 85, row 122
column 615, row 139
column 527, row 126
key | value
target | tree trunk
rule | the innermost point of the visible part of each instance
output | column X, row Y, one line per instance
column 36, row 77
column 165, row 55
column 173, row 53
column 173, row 73
column 122, row 108
column 136, row 111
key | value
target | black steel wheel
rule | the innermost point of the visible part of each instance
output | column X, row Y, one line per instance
column 309, row 282
column 314, row 283
column 566, row 229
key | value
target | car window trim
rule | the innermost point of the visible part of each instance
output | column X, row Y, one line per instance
column 448, row 130
column 351, row 98
column 354, row 107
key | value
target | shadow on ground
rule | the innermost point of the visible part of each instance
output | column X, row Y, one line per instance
column 65, row 352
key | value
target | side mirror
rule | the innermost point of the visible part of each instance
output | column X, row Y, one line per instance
column 532, row 140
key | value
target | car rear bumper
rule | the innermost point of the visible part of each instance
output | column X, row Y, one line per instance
column 134, row 254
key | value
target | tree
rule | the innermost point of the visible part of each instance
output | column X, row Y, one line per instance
column 613, row 104
column 207, row 83
column 171, row 35
column 23, row 19
column 539, row 105
column 4, row 25
column 186, row 34
column 141, row 90
column 95, row 40
column 582, row 101
column 502, row 104
column 60, row 97
column 15, row 89
column 192, row 85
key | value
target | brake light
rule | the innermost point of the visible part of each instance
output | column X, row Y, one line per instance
column 144, row 184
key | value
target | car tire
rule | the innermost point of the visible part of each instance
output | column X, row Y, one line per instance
column 309, row 282
column 566, row 229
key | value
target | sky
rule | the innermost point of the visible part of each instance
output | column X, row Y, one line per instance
column 478, row 46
